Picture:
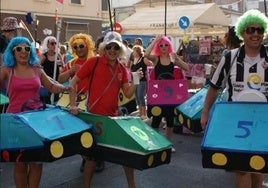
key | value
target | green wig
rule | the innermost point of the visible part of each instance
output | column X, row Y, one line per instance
column 250, row 17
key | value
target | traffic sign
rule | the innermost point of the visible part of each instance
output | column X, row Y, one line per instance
column 117, row 27
column 184, row 22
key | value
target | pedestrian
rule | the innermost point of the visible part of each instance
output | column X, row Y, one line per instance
column 252, row 55
column 137, row 41
column 47, row 60
column 140, row 62
column 24, row 76
column 108, row 78
column 82, row 48
column 8, row 31
column 231, row 40
column 161, row 53
column 126, row 57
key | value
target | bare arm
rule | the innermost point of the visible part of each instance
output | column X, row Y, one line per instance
column 209, row 100
column 149, row 49
column 4, row 73
column 50, row 85
column 179, row 62
column 64, row 76
column 72, row 95
column 148, row 62
column 129, row 89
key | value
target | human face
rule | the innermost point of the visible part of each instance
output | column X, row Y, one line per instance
column 51, row 45
column 112, row 51
column 163, row 47
column 253, row 35
column 22, row 52
column 80, row 49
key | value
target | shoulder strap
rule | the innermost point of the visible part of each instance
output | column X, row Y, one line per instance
column 91, row 78
column 11, row 72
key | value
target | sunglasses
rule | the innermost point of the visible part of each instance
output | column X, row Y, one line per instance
column 115, row 47
column 251, row 30
column 162, row 45
column 52, row 43
column 81, row 46
column 22, row 48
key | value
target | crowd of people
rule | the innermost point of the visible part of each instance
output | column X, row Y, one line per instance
column 100, row 70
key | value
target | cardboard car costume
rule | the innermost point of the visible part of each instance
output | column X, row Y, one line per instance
column 43, row 136
column 128, row 141
column 189, row 112
column 165, row 92
column 236, row 137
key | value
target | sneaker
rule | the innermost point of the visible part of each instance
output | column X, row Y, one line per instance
column 173, row 150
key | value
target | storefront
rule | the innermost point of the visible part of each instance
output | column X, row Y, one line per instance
column 205, row 20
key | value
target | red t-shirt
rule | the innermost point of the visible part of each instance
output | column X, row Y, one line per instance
column 107, row 102
column 84, row 83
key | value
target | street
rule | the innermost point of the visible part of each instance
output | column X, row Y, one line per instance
column 185, row 171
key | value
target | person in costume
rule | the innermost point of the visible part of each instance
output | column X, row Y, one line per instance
column 47, row 60
column 159, row 52
column 82, row 48
column 250, row 28
column 108, row 77
column 24, row 77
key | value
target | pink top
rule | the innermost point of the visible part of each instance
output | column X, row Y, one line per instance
column 21, row 90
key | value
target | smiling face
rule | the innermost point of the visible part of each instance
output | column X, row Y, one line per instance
column 253, row 35
column 22, row 53
column 112, row 51
column 80, row 48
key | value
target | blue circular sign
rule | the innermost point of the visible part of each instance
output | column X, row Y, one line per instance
column 184, row 22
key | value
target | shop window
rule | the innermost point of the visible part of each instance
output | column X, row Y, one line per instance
column 79, row 2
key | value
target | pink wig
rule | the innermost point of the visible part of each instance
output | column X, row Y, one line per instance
column 162, row 40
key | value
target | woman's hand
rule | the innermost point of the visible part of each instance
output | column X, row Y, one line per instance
column 140, row 73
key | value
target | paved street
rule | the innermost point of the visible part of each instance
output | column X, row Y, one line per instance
column 185, row 171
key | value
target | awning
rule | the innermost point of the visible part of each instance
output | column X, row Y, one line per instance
column 205, row 19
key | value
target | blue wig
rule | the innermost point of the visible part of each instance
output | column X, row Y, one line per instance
column 8, row 56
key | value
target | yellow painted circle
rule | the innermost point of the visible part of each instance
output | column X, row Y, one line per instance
column 257, row 162
column 181, row 119
column 156, row 111
column 219, row 159
column 56, row 149
column 189, row 123
column 150, row 160
column 86, row 140
column 175, row 111
column 164, row 156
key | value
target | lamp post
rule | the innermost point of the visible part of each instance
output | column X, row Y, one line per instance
column 265, row 8
column 110, row 15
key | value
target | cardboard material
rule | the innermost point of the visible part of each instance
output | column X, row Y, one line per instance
column 236, row 137
column 166, row 91
column 43, row 136
column 3, row 99
column 128, row 141
column 189, row 112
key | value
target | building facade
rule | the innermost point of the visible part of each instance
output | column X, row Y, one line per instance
column 74, row 16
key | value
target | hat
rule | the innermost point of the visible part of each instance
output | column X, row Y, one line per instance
column 113, row 37
column 10, row 23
